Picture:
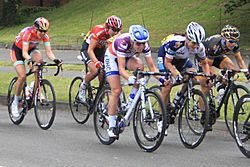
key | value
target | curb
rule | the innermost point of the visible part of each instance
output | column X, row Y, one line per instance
column 63, row 106
column 59, row 105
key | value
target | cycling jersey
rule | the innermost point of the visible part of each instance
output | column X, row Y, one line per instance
column 216, row 46
column 174, row 47
column 98, row 33
column 28, row 36
column 121, row 47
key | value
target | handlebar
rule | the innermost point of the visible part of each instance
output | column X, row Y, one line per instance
column 42, row 64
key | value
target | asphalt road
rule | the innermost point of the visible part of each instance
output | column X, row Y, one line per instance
column 68, row 144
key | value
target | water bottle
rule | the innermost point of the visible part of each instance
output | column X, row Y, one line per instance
column 220, row 95
column 27, row 92
column 32, row 86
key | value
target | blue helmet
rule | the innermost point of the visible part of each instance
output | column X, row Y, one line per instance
column 138, row 33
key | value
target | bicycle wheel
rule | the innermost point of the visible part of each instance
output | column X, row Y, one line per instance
column 191, row 126
column 22, row 103
column 230, row 103
column 145, row 125
column 45, row 105
column 101, row 116
column 155, row 88
column 241, row 124
column 78, row 110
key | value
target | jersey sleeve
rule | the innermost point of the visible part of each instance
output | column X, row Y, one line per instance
column 201, row 52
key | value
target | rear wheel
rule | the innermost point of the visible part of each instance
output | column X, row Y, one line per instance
column 231, row 100
column 22, row 103
column 148, row 133
column 241, row 124
column 193, row 120
column 101, row 116
column 45, row 105
column 78, row 109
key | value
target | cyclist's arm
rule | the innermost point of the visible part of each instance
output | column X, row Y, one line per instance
column 205, row 66
column 121, row 65
column 151, row 65
column 25, row 49
column 168, row 65
column 240, row 61
column 92, row 46
column 49, row 52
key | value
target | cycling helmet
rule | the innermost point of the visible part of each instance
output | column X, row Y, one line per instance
column 41, row 24
column 138, row 33
column 114, row 23
column 195, row 32
column 230, row 32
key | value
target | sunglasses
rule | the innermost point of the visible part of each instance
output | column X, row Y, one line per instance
column 231, row 40
column 116, row 29
column 140, row 43
column 42, row 31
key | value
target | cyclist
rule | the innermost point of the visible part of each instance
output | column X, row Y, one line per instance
column 175, row 53
column 123, row 53
column 93, row 49
column 217, row 46
column 25, row 48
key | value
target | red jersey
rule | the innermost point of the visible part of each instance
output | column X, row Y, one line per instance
column 98, row 33
column 28, row 35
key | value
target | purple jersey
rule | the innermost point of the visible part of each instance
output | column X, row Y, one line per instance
column 122, row 47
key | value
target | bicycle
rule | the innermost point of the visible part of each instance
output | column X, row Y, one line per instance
column 146, row 110
column 191, row 124
column 82, row 110
column 43, row 98
column 231, row 95
column 241, row 124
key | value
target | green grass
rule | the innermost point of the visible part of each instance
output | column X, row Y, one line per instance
column 161, row 17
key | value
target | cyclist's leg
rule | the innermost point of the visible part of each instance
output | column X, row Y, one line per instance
column 18, row 62
column 132, row 64
column 113, row 78
column 226, row 62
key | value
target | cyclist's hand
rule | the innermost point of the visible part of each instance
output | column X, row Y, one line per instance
column 164, row 81
column 98, row 64
column 247, row 76
column 59, row 62
column 179, row 78
column 131, row 80
column 30, row 63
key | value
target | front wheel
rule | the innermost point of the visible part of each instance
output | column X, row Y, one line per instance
column 101, row 123
column 45, row 105
column 241, row 124
column 231, row 100
column 22, row 103
column 193, row 119
column 149, row 122
column 78, row 109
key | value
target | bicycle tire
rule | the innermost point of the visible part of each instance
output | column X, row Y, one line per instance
column 238, row 90
column 45, row 105
column 190, row 136
column 10, row 97
column 78, row 110
column 149, row 138
column 241, row 124
column 101, row 116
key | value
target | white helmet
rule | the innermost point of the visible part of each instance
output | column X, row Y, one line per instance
column 195, row 32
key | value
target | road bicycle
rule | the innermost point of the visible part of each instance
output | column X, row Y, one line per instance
column 230, row 97
column 82, row 110
column 43, row 98
column 146, row 111
column 190, row 108
column 241, row 124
